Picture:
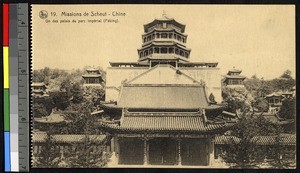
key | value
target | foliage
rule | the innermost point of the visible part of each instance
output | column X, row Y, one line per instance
column 49, row 156
column 236, row 99
column 244, row 153
column 260, row 105
column 89, row 154
column 261, row 88
column 288, row 109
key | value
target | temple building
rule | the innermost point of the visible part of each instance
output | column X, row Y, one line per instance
column 92, row 78
column 234, row 78
column 157, row 109
column 275, row 100
column 39, row 89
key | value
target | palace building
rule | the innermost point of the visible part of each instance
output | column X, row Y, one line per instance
column 92, row 78
column 39, row 90
column 234, row 78
column 157, row 109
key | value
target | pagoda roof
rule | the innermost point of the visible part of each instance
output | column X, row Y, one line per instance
column 164, row 30
column 167, row 43
column 234, row 77
column 164, row 124
column 91, row 75
column 162, row 96
column 92, row 69
column 234, row 71
column 164, row 57
column 166, row 19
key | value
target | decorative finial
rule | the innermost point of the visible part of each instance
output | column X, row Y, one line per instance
column 164, row 13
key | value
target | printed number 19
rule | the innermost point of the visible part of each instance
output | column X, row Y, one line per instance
column 53, row 14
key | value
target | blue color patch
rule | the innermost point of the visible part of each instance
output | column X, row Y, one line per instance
column 7, row 166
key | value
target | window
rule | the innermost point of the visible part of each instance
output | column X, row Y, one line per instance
column 164, row 25
column 156, row 50
column 164, row 35
column 164, row 50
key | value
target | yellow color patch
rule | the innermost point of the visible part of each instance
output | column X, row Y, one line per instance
column 5, row 67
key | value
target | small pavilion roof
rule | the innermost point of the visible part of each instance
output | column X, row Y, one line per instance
column 274, row 94
column 234, row 70
column 52, row 118
column 234, row 77
column 92, row 75
column 92, row 69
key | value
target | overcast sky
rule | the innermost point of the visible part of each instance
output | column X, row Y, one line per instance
column 256, row 39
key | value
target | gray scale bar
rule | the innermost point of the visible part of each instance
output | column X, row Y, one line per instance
column 24, row 147
column 23, row 88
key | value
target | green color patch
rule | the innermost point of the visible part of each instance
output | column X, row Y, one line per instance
column 6, row 110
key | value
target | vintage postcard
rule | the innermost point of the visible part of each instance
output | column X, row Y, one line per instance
column 163, row 86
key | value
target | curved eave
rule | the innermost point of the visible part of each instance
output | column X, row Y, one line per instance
column 164, row 30
column 210, row 128
column 169, row 43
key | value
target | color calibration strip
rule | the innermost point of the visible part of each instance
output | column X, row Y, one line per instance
column 16, row 87
column 7, row 164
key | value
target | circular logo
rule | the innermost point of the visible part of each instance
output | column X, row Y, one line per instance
column 43, row 14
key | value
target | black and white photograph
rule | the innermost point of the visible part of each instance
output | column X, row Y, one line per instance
column 163, row 86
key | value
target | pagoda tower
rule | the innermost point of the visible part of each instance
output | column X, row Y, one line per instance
column 92, row 78
column 164, row 42
column 234, row 78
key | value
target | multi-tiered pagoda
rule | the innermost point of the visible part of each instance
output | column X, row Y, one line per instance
column 234, row 78
column 92, row 78
column 158, row 111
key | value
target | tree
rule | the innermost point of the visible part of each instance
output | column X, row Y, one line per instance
column 87, row 155
column 243, row 152
column 49, row 156
column 286, row 74
column 236, row 99
column 288, row 109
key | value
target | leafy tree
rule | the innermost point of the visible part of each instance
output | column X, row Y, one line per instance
column 286, row 74
column 260, row 105
column 236, row 99
column 87, row 155
column 288, row 108
column 244, row 153
column 49, row 156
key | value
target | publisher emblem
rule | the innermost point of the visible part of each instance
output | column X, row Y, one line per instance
column 43, row 14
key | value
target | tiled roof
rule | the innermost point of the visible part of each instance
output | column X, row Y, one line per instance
column 285, row 139
column 52, row 118
column 234, row 76
column 163, row 96
column 185, row 123
column 65, row 138
column 91, row 75
column 37, row 84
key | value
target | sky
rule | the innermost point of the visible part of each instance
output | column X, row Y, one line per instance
column 258, row 39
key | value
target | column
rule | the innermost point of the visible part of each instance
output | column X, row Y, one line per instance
column 146, row 151
column 211, row 151
column 179, row 152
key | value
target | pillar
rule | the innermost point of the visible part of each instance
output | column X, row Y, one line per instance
column 211, row 151
column 146, row 151
column 179, row 152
